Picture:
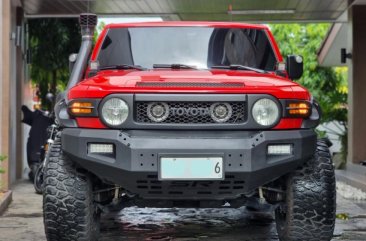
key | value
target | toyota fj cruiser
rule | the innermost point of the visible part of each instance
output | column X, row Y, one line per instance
column 202, row 114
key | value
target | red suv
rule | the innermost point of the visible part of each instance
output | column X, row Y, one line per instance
column 197, row 114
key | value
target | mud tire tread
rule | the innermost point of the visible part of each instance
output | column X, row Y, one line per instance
column 310, row 200
column 68, row 207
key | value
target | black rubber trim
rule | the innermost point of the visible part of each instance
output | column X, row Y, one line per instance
column 314, row 119
column 62, row 116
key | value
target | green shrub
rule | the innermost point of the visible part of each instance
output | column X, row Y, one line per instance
column 2, row 170
column 2, row 158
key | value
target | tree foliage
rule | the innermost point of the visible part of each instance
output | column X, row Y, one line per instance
column 98, row 30
column 2, row 158
column 51, row 42
column 2, row 170
column 328, row 85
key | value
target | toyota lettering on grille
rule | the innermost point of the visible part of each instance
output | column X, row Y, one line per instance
column 219, row 112
column 190, row 111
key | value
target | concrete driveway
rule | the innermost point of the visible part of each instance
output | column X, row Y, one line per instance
column 23, row 221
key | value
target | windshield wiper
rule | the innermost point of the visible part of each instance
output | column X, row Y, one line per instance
column 122, row 66
column 174, row 66
column 239, row 67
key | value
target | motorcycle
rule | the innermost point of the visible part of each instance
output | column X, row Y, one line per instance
column 41, row 123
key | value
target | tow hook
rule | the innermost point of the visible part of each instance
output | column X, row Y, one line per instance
column 262, row 200
column 116, row 195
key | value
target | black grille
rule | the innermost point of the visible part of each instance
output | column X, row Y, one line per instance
column 232, row 185
column 238, row 113
column 189, row 85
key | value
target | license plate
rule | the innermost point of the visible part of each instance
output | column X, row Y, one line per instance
column 191, row 168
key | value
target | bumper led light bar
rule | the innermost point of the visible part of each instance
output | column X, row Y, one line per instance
column 97, row 148
column 285, row 149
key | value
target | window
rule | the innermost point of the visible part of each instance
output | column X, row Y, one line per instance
column 202, row 47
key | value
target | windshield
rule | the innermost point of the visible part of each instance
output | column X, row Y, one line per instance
column 201, row 47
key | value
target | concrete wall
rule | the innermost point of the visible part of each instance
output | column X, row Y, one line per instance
column 357, row 84
column 12, row 84
column 5, row 86
column 20, row 82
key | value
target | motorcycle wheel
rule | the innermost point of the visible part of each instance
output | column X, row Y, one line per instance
column 38, row 180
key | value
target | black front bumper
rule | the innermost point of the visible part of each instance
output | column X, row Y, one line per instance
column 136, row 161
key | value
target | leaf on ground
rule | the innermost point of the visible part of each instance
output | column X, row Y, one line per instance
column 342, row 216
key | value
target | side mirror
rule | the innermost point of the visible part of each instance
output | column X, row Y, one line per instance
column 294, row 66
column 50, row 97
column 72, row 60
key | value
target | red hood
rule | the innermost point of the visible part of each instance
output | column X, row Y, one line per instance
column 155, row 81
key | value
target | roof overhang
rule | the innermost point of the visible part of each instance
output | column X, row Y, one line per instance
column 209, row 10
column 329, row 53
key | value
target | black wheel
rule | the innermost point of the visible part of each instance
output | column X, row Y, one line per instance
column 38, row 180
column 309, row 211
column 32, row 172
column 68, row 207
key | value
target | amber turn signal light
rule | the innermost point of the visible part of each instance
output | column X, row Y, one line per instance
column 298, row 109
column 81, row 108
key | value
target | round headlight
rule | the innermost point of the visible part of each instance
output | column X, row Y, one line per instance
column 158, row 111
column 265, row 112
column 114, row 111
column 221, row 112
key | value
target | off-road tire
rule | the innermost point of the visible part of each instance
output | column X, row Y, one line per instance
column 309, row 211
column 68, row 208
